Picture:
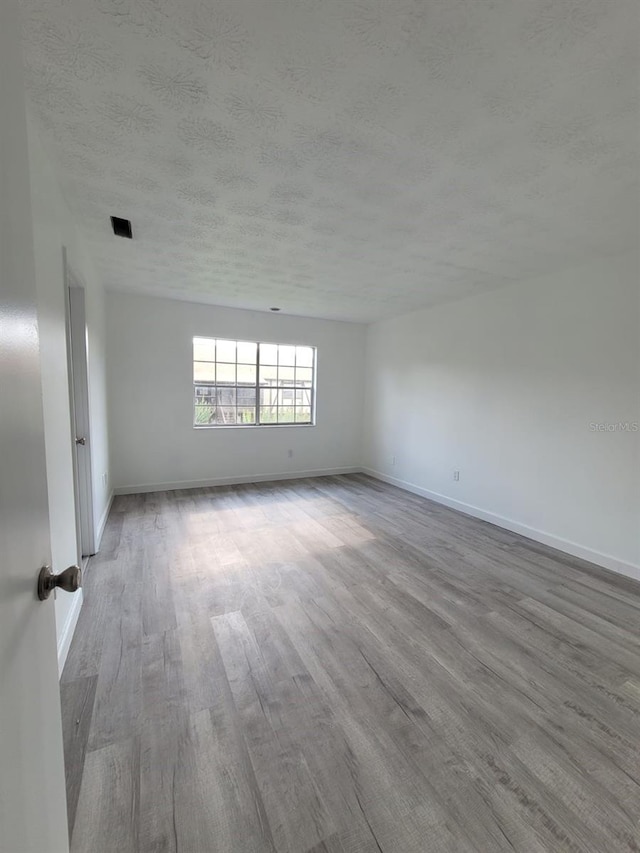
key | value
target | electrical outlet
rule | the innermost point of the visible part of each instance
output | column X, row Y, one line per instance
column 104, row 479
column 393, row 460
column 289, row 453
column 456, row 475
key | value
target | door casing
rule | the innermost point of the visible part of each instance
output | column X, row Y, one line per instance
column 77, row 360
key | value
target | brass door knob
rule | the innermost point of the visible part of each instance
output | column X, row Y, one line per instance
column 70, row 581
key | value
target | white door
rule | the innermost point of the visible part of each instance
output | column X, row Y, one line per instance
column 32, row 787
column 80, row 419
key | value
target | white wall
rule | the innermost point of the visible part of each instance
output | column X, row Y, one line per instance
column 504, row 387
column 150, row 369
column 53, row 229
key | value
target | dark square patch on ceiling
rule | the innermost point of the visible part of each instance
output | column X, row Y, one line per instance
column 121, row 227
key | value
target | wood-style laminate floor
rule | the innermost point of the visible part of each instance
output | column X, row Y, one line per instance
column 336, row 665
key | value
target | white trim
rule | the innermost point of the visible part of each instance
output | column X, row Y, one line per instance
column 252, row 426
column 576, row 550
column 103, row 521
column 78, row 367
column 258, row 388
column 231, row 481
column 64, row 641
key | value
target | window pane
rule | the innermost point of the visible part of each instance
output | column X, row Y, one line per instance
column 246, row 397
column 247, row 373
column 268, row 374
column 268, row 354
column 225, row 350
column 286, row 415
column 226, row 373
column 268, row 415
column 204, row 415
column 246, row 415
column 304, row 376
column 226, row 415
column 286, row 374
column 303, row 415
column 287, row 355
column 204, row 371
column 304, row 356
column 247, row 352
column 204, row 349
column 226, row 395
column 204, row 393
column 268, row 396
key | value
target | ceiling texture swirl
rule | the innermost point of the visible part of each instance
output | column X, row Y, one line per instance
column 351, row 159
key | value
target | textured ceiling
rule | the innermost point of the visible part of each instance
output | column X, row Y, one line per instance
column 340, row 158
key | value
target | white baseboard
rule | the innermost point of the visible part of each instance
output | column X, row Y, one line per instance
column 575, row 549
column 231, row 481
column 103, row 521
column 64, row 641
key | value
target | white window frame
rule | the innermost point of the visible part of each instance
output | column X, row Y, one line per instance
column 293, row 388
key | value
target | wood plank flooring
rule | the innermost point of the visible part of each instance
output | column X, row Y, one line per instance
column 333, row 664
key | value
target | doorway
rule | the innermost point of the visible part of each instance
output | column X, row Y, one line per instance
column 77, row 351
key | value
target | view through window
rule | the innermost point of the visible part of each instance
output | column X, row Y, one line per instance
column 247, row 383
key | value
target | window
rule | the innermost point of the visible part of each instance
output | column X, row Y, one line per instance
column 245, row 383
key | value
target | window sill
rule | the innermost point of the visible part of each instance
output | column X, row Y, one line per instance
column 252, row 426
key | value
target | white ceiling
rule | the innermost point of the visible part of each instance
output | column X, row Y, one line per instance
column 352, row 159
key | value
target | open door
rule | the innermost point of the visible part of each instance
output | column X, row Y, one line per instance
column 77, row 350
column 33, row 814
